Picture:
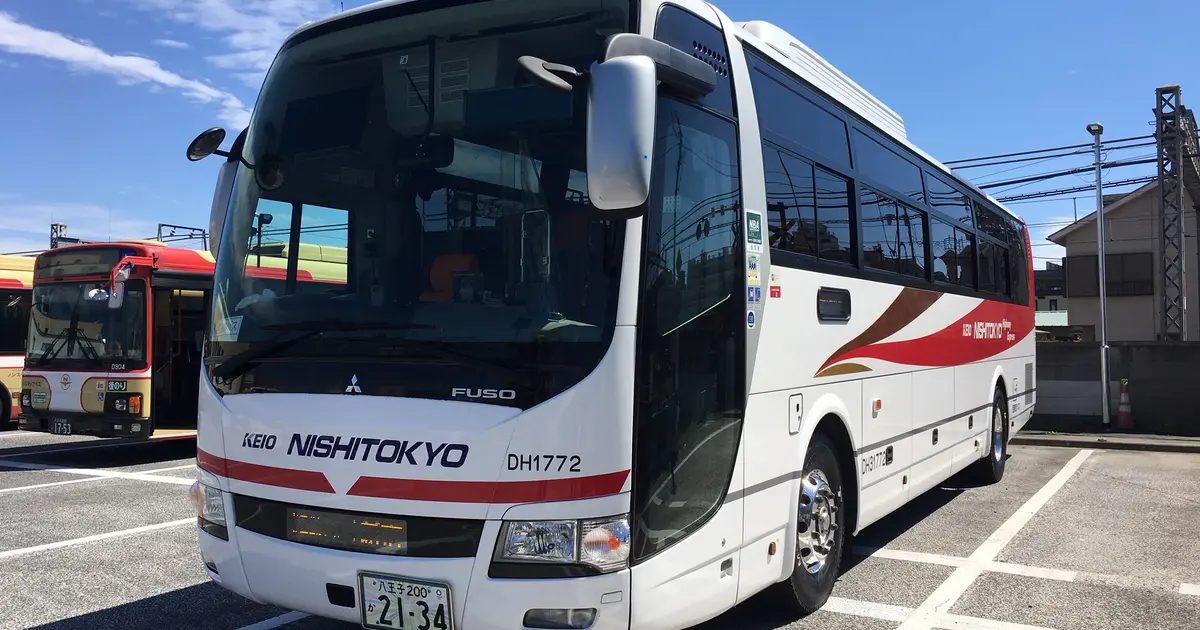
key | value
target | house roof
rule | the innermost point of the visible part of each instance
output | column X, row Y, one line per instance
column 1120, row 202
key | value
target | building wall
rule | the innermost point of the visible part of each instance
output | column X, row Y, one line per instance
column 1044, row 305
column 1135, row 227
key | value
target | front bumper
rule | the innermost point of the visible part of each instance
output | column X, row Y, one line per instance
column 324, row 582
column 93, row 424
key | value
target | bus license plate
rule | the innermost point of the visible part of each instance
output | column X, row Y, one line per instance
column 60, row 427
column 391, row 602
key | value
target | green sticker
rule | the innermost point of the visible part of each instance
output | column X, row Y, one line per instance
column 754, row 228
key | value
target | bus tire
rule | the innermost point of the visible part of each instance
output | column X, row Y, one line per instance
column 820, row 530
column 991, row 468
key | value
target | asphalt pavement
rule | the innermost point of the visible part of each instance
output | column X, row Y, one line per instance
column 101, row 535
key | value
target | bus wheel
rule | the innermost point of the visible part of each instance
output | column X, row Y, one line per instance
column 991, row 468
column 820, row 530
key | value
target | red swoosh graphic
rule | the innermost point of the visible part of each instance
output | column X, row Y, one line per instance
column 953, row 345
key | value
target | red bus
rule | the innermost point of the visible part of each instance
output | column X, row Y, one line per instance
column 114, row 342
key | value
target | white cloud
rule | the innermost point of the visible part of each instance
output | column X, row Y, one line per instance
column 252, row 30
column 17, row 37
column 170, row 43
column 26, row 226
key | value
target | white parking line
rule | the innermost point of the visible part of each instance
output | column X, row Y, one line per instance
column 1190, row 589
column 960, row 622
column 92, row 478
column 12, row 553
column 956, row 561
column 91, row 472
column 275, row 622
column 871, row 610
column 934, row 609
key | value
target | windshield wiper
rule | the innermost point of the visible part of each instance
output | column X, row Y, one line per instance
column 291, row 332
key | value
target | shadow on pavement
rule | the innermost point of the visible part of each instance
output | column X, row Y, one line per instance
column 204, row 606
column 100, row 454
column 761, row 613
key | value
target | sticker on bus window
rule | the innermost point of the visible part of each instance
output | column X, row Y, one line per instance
column 754, row 232
column 227, row 329
column 752, row 270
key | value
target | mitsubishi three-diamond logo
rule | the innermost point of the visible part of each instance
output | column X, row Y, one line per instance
column 352, row 388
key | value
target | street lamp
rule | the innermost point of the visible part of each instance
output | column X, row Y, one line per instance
column 1096, row 129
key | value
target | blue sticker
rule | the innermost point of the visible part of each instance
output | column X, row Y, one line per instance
column 753, row 294
column 757, row 294
column 749, row 319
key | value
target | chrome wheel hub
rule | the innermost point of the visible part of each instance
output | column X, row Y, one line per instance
column 816, row 528
column 997, row 433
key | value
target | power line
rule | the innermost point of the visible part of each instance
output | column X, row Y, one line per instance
column 1042, row 158
column 1066, row 191
column 1072, row 171
column 1049, row 150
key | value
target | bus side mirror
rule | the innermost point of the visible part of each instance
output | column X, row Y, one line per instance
column 117, row 297
column 120, row 275
column 620, row 131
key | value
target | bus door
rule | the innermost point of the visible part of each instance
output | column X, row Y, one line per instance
column 179, row 318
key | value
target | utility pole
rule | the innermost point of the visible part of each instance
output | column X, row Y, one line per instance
column 1096, row 129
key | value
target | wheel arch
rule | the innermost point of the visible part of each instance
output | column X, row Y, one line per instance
column 834, row 427
column 829, row 415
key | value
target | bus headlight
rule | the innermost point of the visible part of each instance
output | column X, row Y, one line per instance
column 600, row 543
column 209, row 501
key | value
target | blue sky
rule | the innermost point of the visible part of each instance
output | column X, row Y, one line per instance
column 101, row 97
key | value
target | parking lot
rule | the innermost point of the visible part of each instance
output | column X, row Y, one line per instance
column 98, row 535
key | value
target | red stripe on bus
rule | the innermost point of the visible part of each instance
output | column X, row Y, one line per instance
column 8, row 283
column 266, row 475
column 534, row 491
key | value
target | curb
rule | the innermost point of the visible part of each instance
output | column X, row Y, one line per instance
column 1118, row 444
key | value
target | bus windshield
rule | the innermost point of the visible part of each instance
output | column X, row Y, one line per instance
column 449, row 224
column 69, row 326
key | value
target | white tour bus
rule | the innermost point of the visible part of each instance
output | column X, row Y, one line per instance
column 645, row 312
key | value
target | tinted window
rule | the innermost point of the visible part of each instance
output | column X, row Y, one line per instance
column 953, row 256
column 990, row 222
column 833, row 217
column 14, row 321
column 1018, row 262
column 1003, row 279
column 784, row 111
column 966, row 257
column 791, row 211
column 689, row 376
column 987, row 266
column 697, row 37
column 880, row 164
column 947, row 200
column 892, row 235
column 912, row 240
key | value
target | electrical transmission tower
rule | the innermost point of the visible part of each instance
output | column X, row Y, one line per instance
column 1175, row 131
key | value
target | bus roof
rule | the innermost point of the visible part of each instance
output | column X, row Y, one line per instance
column 16, row 272
column 166, row 258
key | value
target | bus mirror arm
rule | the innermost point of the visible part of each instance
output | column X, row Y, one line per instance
column 682, row 73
